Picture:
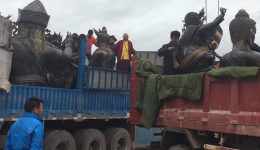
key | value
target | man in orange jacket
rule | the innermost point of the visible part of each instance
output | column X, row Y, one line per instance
column 90, row 41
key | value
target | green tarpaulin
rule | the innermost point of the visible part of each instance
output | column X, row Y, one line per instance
column 235, row 72
column 152, row 88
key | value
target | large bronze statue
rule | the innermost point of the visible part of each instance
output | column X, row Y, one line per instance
column 193, row 53
column 37, row 62
column 103, row 57
column 242, row 32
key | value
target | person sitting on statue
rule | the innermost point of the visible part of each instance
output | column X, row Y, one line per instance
column 242, row 32
column 125, row 49
column 193, row 55
column 112, row 43
column 90, row 41
column 167, row 51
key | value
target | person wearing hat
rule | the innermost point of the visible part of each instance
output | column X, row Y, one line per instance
column 112, row 43
column 167, row 52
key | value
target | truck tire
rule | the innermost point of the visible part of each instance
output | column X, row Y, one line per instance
column 119, row 139
column 79, row 136
column 94, row 140
column 48, row 134
column 2, row 141
column 106, row 131
column 180, row 147
column 59, row 139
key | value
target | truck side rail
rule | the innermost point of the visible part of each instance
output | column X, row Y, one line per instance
column 107, row 79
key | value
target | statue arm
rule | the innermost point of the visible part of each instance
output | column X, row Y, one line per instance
column 51, row 54
column 210, row 26
column 205, row 29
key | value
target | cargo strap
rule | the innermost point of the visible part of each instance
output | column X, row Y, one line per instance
column 192, row 58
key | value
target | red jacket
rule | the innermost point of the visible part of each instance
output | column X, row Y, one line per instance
column 119, row 47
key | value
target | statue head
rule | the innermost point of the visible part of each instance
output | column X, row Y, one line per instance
column 34, row 13
column 55, row 39
column 192, row 18
column 104, row 30
column 242, row 28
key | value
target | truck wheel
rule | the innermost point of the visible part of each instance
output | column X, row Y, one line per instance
column 180, row 147
column 2, row 141
column 59, row 139
column 119, row 139
column 94, row 140
column 106, row 131
column 47, row 135
column 79, row 136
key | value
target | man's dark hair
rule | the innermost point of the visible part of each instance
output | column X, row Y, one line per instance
column 82, row 36
column 175, row 33
column 32, row 103
column 90, row 31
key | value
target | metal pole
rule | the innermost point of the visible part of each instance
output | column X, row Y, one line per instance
column 206, row 11
column 218, row 7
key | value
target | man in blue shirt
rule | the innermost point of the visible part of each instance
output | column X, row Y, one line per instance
column 27, row 132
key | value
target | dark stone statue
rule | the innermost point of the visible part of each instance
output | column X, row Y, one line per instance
column 55, row 39
column 37, row 62
column 242, row 32
column 193, row 53
column 103, row 57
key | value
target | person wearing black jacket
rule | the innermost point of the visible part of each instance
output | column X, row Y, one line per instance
column 255, row 48
column 167, row 51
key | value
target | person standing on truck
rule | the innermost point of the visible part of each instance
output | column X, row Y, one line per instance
column 27, row 132
column 125, row 49
column 167, row 51
column 90, row 41
column 112, row 43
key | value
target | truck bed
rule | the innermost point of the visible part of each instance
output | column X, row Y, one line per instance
column 228, row 105
column 65, row 104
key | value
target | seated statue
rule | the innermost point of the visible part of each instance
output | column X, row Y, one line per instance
column 103, row 57
column 193, row 53
column 35, row 61
column 242, row 32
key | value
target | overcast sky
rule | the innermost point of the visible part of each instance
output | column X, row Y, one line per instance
column 148, row 22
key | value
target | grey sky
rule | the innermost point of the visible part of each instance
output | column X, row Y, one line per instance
column 148, row 22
